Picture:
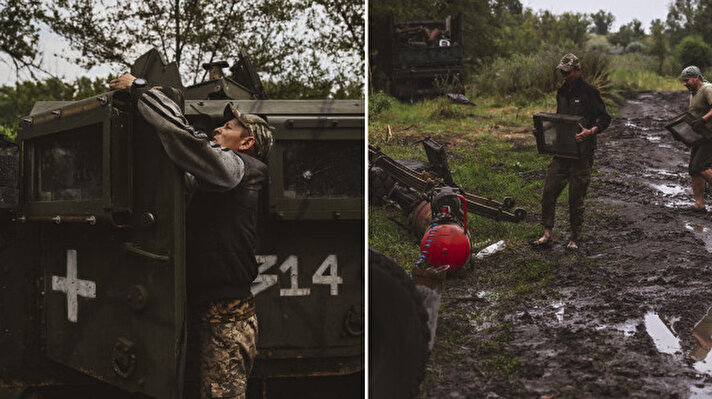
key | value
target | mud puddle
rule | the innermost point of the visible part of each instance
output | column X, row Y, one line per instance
column 702, row 232
column 603, row 326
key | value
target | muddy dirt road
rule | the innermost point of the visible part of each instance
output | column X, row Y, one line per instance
column 619, row 318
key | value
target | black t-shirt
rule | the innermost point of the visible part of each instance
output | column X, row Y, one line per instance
column 583, row 99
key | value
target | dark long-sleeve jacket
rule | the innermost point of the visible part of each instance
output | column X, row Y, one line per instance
column 584, row 99
column 221, row 219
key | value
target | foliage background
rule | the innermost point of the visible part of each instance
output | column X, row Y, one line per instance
column 511, row 50
column 300, row 48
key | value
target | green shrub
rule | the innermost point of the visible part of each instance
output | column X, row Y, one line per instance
column 636, row 71
column 598, row 43
column 635, row 47
column 8, row 132
column 693, row 50
column 443, row 108
column 670, row 67
column 535, row 76
column 379, row 102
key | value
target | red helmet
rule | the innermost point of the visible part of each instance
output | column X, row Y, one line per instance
column 445, row 244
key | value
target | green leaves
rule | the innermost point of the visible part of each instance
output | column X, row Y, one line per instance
column 19, row 37
column 17, row 101
column 313, row 44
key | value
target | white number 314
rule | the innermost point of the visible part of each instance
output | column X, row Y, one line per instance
column 290, row 265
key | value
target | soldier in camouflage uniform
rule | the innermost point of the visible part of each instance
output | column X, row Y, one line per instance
column 227, row 330
column 575, row 97
column 225, row 175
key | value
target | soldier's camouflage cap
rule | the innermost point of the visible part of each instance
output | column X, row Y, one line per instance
column 690, row 72
column 568, row 62
column 257, row 127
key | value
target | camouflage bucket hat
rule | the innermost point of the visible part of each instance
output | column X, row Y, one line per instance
column 568, row 62
column 257, row 127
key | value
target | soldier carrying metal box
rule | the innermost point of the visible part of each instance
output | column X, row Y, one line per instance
column 700, row 166
column 575, row 98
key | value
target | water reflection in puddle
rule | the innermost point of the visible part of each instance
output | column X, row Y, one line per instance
column 700, row 392
column 703, row 336
column 669, row 188
column 655, row 172
column 664, row 339
column 652, row 139
column 701, row 233
column 559, row 308
column 632, row 125
column 628, row 328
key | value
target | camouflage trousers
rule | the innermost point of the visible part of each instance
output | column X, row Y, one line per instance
column 575, row 172
column 227, row 333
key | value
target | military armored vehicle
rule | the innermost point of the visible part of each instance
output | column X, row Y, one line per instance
column 424, row 57
column 92, row 230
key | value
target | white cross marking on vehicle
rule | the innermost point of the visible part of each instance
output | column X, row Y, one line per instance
column 73, row 287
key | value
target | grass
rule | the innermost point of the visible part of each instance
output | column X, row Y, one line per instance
column 635, row 72
column 491, row 148
column 492, row 154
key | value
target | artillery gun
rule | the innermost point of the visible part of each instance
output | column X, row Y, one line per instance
column 92, row 262
column 403, row 315
column 412, row 188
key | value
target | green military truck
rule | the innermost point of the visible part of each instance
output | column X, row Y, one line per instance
column 92, row 260
column 424, row 57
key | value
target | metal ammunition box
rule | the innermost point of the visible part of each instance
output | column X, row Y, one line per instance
column 681, row 129
column 556, row 134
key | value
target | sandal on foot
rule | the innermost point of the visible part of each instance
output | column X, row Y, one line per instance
column 541, row 244
column 572, row 246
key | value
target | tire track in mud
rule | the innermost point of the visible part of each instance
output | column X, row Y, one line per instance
column 619, row 318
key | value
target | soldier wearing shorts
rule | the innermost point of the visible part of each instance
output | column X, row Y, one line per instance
column 700, row 166
column 224, row 175
column 575, row 97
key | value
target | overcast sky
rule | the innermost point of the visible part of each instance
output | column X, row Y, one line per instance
column 624, row 10
column 51, row 45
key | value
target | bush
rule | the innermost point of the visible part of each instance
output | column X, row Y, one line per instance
column 443, row 108
column 8, row 132
column 379, row 102
column 535, row 76
column 693, row 50
column 635, row 47
column 598, row 43
column 670, row 67
column 636, row 71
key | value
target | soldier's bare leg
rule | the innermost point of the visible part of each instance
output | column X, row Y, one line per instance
column 698, row 189
column 707, row 175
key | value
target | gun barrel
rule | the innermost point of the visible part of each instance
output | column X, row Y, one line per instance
column 476, row 204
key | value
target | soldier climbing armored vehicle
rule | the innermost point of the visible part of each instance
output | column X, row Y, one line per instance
column 92, row 244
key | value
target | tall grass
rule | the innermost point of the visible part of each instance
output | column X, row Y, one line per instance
column 522, row 78
column 636, row 72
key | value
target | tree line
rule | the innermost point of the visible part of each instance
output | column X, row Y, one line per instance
column 300, row 48
column 496, row 29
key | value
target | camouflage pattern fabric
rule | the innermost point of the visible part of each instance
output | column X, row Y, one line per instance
column 228, row 346
column 692, row 72
column 258, row 128
column 568, row 62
